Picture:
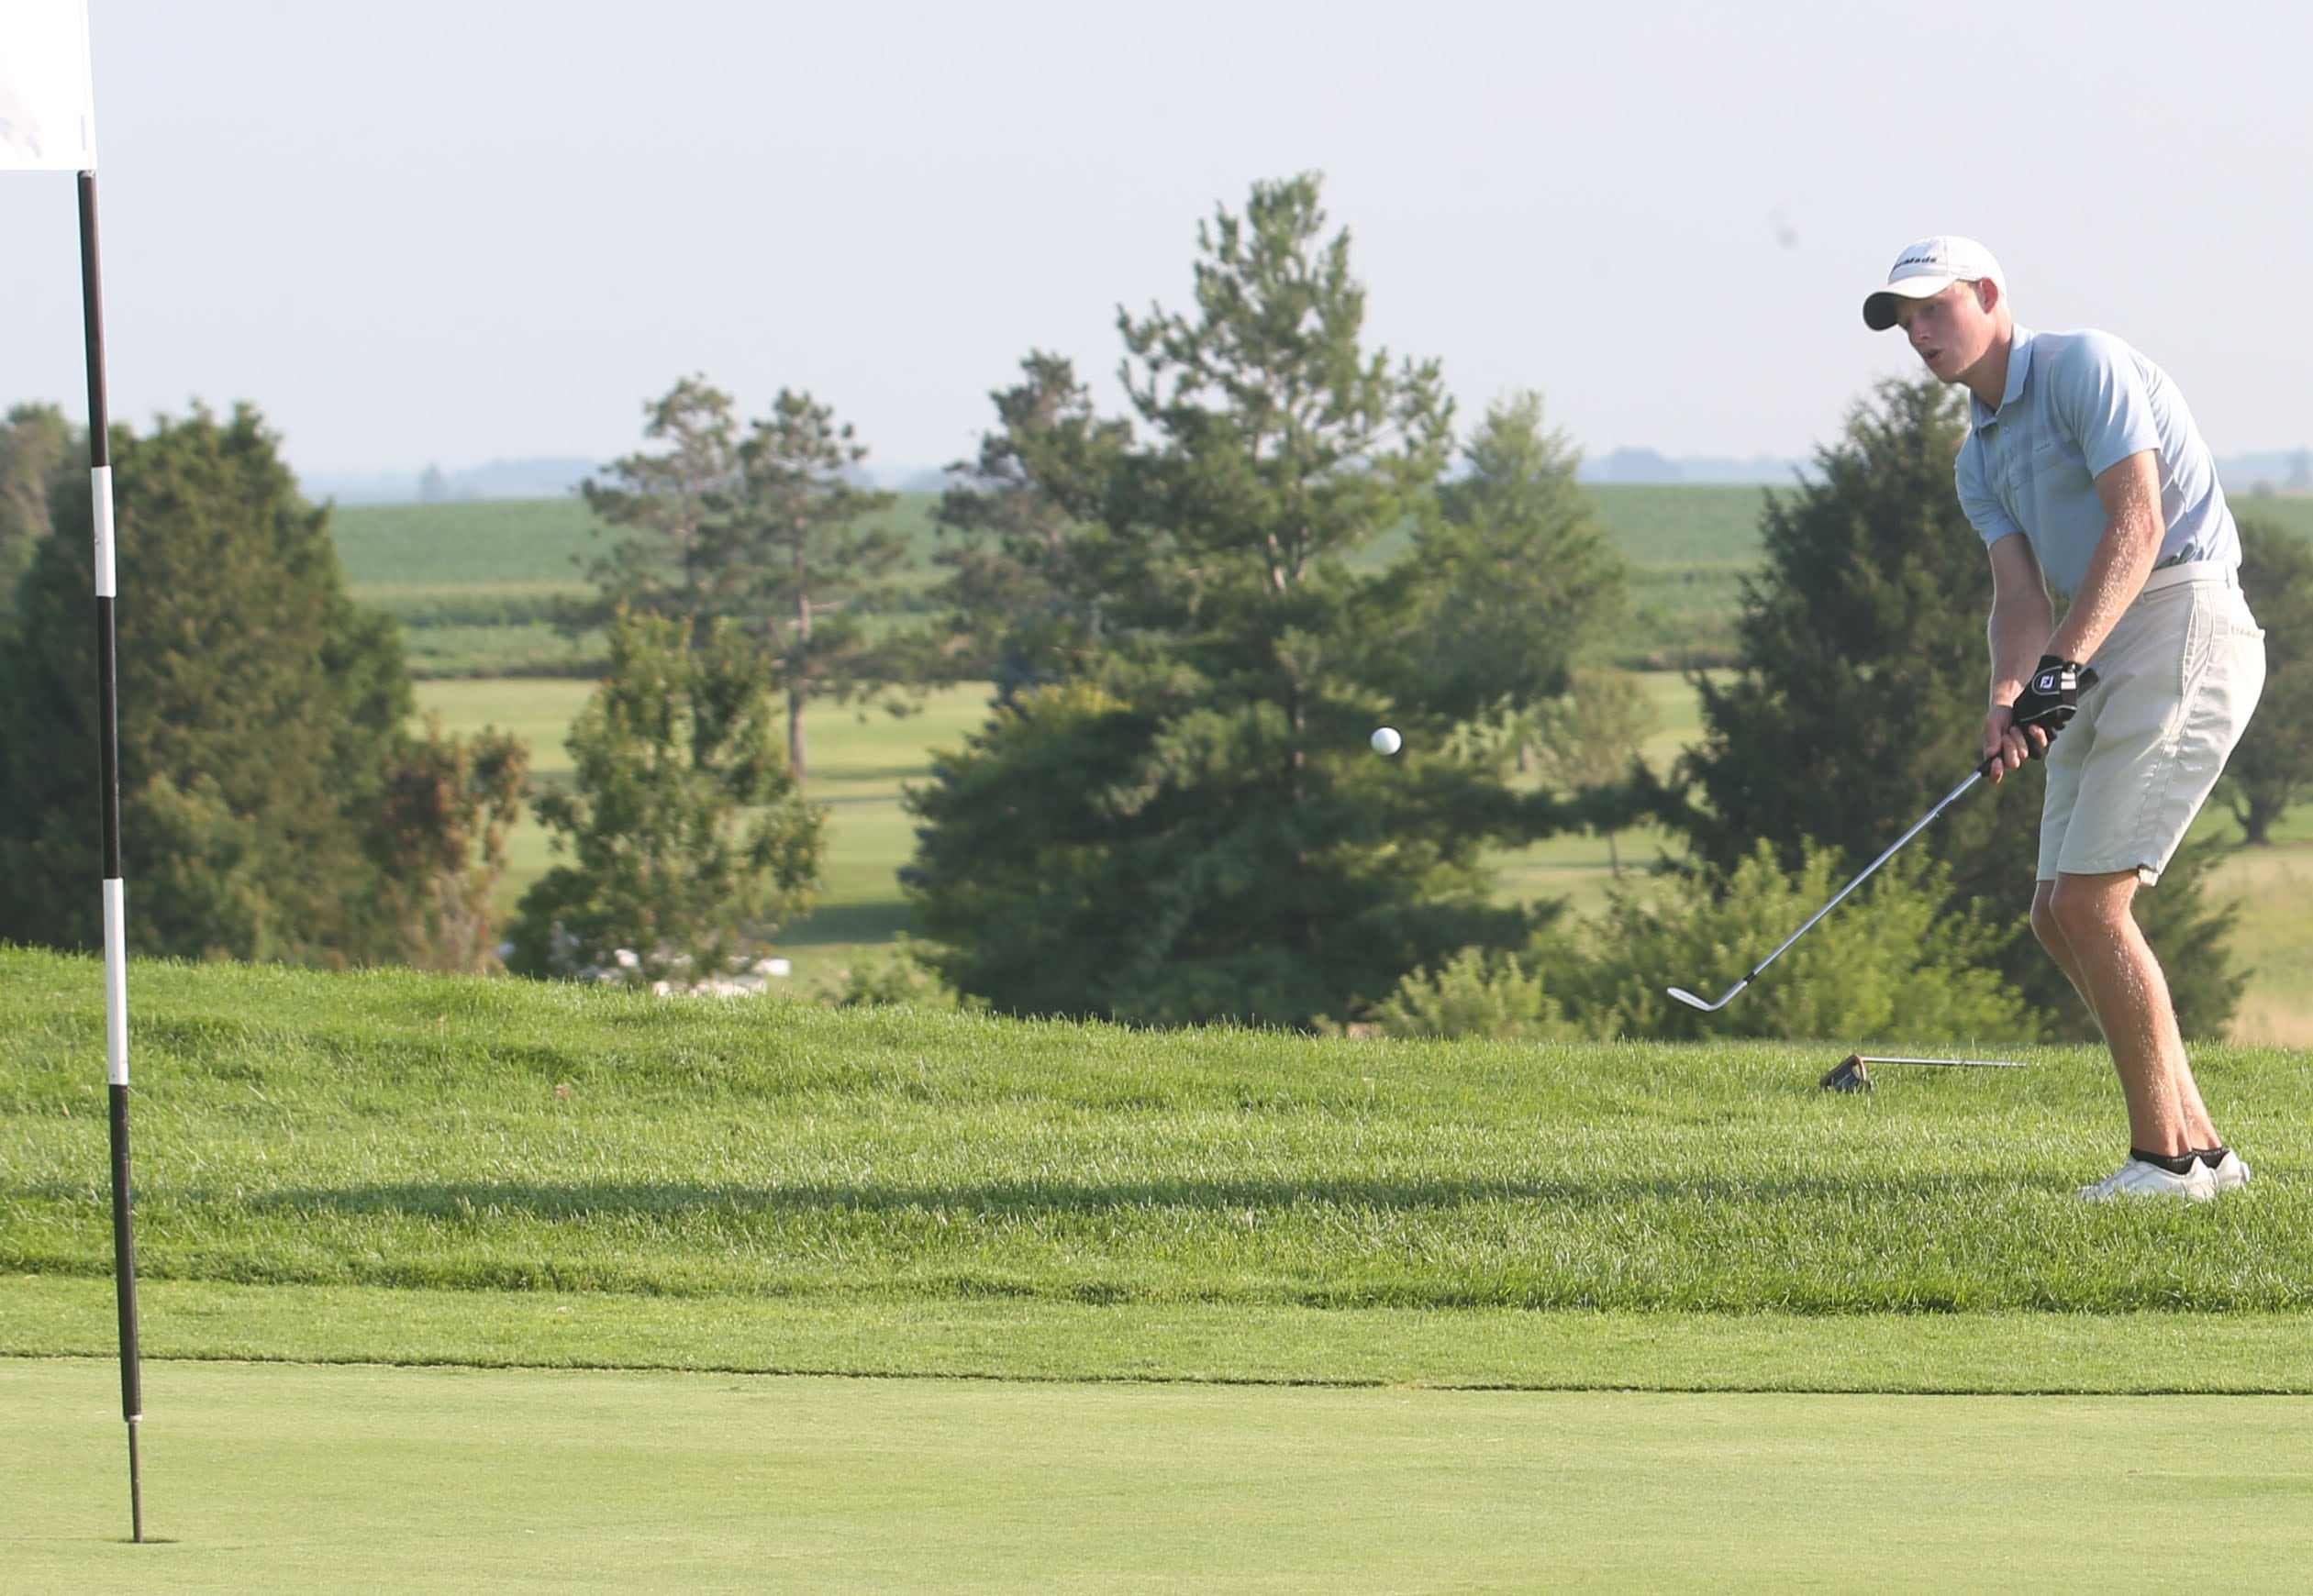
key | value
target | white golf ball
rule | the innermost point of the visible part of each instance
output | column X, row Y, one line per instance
column 1387, row 741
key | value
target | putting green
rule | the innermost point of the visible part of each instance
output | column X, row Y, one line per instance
column 296, row 1478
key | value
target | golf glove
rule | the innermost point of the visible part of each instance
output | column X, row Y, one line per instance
column 2052, row 697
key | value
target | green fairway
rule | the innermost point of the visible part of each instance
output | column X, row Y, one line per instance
column 330, row 1479
column 1024, row 1338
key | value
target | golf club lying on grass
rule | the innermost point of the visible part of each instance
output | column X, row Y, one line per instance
column 1691, row 1001
column 1853, row 1073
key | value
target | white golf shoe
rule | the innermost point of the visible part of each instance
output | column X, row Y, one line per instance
column 2229, row 1173
column 2138, row 1179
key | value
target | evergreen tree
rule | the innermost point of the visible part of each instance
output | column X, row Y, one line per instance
column 259, row 711
column 690, row 846
column 40, row 452
column 797, row 540
column 2274, row 765
column 1186, row 824
column 1026, row 545
column 1513, row 581
column 1586, row 740
column 767, row 531
column 1859, row 698
column 665, row 499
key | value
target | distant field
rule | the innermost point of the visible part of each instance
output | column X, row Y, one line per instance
column 476, row 585
column 1683, row 524
column 533, row 546
column 509, row 545
column 530, row 545
column 2293, row 512
column 414, row 553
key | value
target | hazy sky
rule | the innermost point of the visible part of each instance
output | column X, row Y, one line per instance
column 449, row 232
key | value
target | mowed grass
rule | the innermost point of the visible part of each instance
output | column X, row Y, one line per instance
column 1238, row 1311
column 325, row 1479
column 407, row 1131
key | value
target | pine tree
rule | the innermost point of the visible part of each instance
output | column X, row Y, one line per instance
column 798, row 539
column 768, row 530
column 1025, row 543
column 1514, row 581
column 665, row 498
column 1186, row 822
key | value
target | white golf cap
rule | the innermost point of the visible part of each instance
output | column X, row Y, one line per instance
column 1927, row 267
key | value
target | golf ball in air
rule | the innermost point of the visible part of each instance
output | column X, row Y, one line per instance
column 1387, row 741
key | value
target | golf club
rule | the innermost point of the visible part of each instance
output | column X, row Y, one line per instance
column 1691, row 1001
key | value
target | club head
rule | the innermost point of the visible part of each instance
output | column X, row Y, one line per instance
column 1692, row 1002
column 1848, row 1075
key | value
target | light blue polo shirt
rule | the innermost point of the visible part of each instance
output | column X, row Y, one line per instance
column 2078, row 404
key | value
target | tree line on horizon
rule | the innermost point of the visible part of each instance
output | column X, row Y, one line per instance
column 1171, row 815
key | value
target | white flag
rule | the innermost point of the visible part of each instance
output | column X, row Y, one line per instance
column 48, row 106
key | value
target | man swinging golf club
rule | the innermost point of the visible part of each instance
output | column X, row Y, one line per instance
column 2083, row 468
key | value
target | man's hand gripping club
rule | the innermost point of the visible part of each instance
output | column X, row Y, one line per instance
column 2024, row 729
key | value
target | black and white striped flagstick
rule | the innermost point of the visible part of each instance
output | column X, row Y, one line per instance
column 100, row 474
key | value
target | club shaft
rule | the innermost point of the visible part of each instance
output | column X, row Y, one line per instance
column 1944, row 1063
column 1918, row 827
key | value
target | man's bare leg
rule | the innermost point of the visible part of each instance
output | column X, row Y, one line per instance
column 2052, row 937
column 2088, row 925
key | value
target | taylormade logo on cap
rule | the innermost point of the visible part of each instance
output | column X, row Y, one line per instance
column 1929, row 267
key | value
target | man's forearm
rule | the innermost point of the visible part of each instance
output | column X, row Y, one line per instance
column 2116, row 575
column 2124, row 558
column 2019, row 635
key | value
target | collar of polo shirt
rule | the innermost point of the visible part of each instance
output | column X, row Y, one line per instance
column 2019, row 366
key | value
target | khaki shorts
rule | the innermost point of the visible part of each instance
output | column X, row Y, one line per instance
column 2178, row 679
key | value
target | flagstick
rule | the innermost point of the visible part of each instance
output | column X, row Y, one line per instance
column 100, row 460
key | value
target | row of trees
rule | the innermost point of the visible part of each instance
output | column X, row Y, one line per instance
column 1193, row 613
column 276, row 802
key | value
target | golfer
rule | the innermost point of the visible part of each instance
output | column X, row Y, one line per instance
column 2083, row 469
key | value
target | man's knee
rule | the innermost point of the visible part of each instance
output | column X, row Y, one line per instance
column 2045, row 924
column 2084, row 910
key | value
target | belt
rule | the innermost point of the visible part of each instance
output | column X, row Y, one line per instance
column 2199, row 571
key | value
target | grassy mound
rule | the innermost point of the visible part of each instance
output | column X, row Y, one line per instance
column 405, row 1131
